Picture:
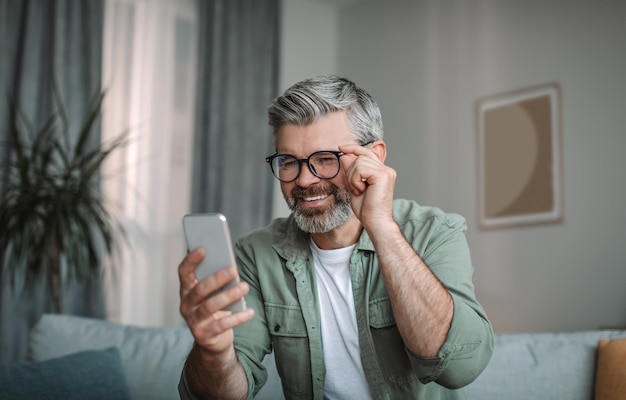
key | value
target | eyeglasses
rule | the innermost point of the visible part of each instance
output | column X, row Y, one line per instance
column 323, row 164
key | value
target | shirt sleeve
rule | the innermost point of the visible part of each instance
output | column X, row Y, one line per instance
column 469, row 343
column 185, row 393
column 183, row 388
column 459, row 361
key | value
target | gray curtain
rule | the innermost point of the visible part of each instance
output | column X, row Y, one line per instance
column 238, row 77
column 46, row 43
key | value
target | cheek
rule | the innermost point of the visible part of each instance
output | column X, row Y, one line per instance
column 341, row 180
column 342, row 190
column 286, row 189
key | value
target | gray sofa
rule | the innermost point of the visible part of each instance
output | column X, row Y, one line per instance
column 541, row 366
column 524, row 366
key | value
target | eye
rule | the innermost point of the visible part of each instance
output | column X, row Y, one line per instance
column 325, row 159
column 285, row 162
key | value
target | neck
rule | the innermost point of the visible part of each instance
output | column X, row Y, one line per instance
column 345, row 235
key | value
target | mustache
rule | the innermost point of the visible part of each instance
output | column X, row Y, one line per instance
column 322, row 188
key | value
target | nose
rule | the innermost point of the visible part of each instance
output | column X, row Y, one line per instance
column 306, row 177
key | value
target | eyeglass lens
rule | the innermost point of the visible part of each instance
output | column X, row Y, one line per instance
column 323, row 164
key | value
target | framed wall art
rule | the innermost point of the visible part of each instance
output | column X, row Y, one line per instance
column 519, row 157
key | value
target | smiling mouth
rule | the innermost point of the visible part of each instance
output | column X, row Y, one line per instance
column 315, row 198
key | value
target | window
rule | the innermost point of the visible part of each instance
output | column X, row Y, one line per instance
column 149, row 72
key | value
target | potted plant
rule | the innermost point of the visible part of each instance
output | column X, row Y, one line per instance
column 52, row 216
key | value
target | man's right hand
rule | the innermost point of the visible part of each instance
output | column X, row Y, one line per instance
column 212, row 369
column 201, row 306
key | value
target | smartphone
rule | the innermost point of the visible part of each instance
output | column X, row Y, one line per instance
column 210, row 231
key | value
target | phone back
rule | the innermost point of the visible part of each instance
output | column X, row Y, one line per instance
column 210, row 231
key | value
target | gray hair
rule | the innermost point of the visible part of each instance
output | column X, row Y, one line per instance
column 310, row 99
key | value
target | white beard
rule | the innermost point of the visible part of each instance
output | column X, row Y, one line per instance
column 320, row 220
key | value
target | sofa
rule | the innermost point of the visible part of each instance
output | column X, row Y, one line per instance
column 73, row 357
column 554, row 366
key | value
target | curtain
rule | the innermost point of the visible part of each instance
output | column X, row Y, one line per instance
column 149, row 70
column 45, row 44
column 191, row 79
column 238, row 77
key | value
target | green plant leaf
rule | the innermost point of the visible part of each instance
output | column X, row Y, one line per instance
column 87, row 127
column 51, row 211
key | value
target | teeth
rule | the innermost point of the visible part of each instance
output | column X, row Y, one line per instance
column 320, row 197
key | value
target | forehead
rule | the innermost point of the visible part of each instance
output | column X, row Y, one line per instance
column 325, row 133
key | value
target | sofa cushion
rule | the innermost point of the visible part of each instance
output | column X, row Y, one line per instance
column 543, row 366
column 83, row 375
column 611, row 370
column 151, row 358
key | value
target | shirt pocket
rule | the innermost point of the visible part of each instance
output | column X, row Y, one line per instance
column 381, row 314
column 291, row 347
column 388, row 343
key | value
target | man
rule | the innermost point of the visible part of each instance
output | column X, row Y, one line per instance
column 360, row 296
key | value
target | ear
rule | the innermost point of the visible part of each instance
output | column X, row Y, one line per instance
column 379, row 147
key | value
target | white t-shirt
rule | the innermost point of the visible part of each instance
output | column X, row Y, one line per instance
column 345, row 377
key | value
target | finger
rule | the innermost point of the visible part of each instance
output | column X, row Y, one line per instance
column 213, row 308
column 356, row 149
column 212, row 284
column 208, row 333
column 359, row 171
column 357, row 184
column 235, row 319
column 187, row 269
column 231, row 320
column 220, row 301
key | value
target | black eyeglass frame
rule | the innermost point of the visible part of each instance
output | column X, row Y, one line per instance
column 307, row 160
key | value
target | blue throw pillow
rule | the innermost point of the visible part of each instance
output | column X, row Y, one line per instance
column 84, row 375
column 152, row 357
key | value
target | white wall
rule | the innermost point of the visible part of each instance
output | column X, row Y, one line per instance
column 427, row 62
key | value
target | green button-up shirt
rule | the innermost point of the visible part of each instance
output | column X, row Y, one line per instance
column 277, row 263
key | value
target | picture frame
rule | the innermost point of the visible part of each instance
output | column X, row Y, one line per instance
column 520, row 170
